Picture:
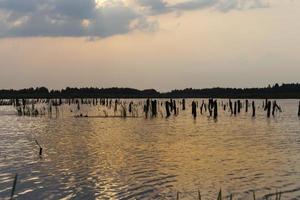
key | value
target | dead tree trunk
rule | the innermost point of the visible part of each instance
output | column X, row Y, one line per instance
column 275, row 108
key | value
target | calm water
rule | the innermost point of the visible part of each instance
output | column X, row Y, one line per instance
column 138, row 158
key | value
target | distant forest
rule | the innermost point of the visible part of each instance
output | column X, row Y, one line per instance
column 275, row 91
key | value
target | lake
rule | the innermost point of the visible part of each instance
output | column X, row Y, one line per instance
column 150, row 158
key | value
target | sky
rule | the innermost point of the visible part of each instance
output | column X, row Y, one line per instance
column 161, row 44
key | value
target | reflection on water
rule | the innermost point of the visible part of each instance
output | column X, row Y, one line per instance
column 137, row 158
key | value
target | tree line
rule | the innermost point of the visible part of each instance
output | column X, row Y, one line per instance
column 291, row 90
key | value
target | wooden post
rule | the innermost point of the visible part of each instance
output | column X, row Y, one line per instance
column 266, row 104
column 174, row 107
column 194, row 109
column 41, row 149
column 14, row 187
column 171, row 105
column 130, row 107
column 220, row 195
column 201, row 107
column 246, row 109
column 239, row 106
column 230, row 106
column 253, row 109
column 215, row 109
column 269, row 109
column 177, row 197
column 183, row 104
column 275, row 107
column 299, row 109
column 154, row 108
column 146, row 107
column 210, row 106
column 167, row 109
column 235, row 107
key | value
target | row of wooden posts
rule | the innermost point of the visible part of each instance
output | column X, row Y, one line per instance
column 26, row 107
column 212, row 106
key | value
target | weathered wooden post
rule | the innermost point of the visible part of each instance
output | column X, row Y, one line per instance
column 174, row 107
column 299, row 109
column 275, row 106
column 215, row 109
column 210, row 106
column 266, row 104
column 14, row 187
column 201, row 107
column 171, row 105
column 41, row 149
column 154, row 108
column 235, row 108
column 116, row 106
column 23, row 103
column 146, row 107
column 194, row 109
column 246, row 109
column 183, row 104
column 230, row 106
column 167, row 109
column 130, row 107
column 199, row 195
column 239, row 106
column 268, row 109
column 253, row 109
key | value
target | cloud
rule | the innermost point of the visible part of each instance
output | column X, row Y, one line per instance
column 88, row 18
column 161, row 6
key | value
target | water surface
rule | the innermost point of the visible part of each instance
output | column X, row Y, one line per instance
column 154, row 158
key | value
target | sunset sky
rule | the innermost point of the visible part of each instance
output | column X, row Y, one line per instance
column 161, row 44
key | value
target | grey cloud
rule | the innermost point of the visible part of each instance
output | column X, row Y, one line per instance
column 160, row 6
column 195, row 4
column 82, row 18
column 156, row 6
column 111, row 20
column 68, row 18
column 75, row 8
column 20, row 5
